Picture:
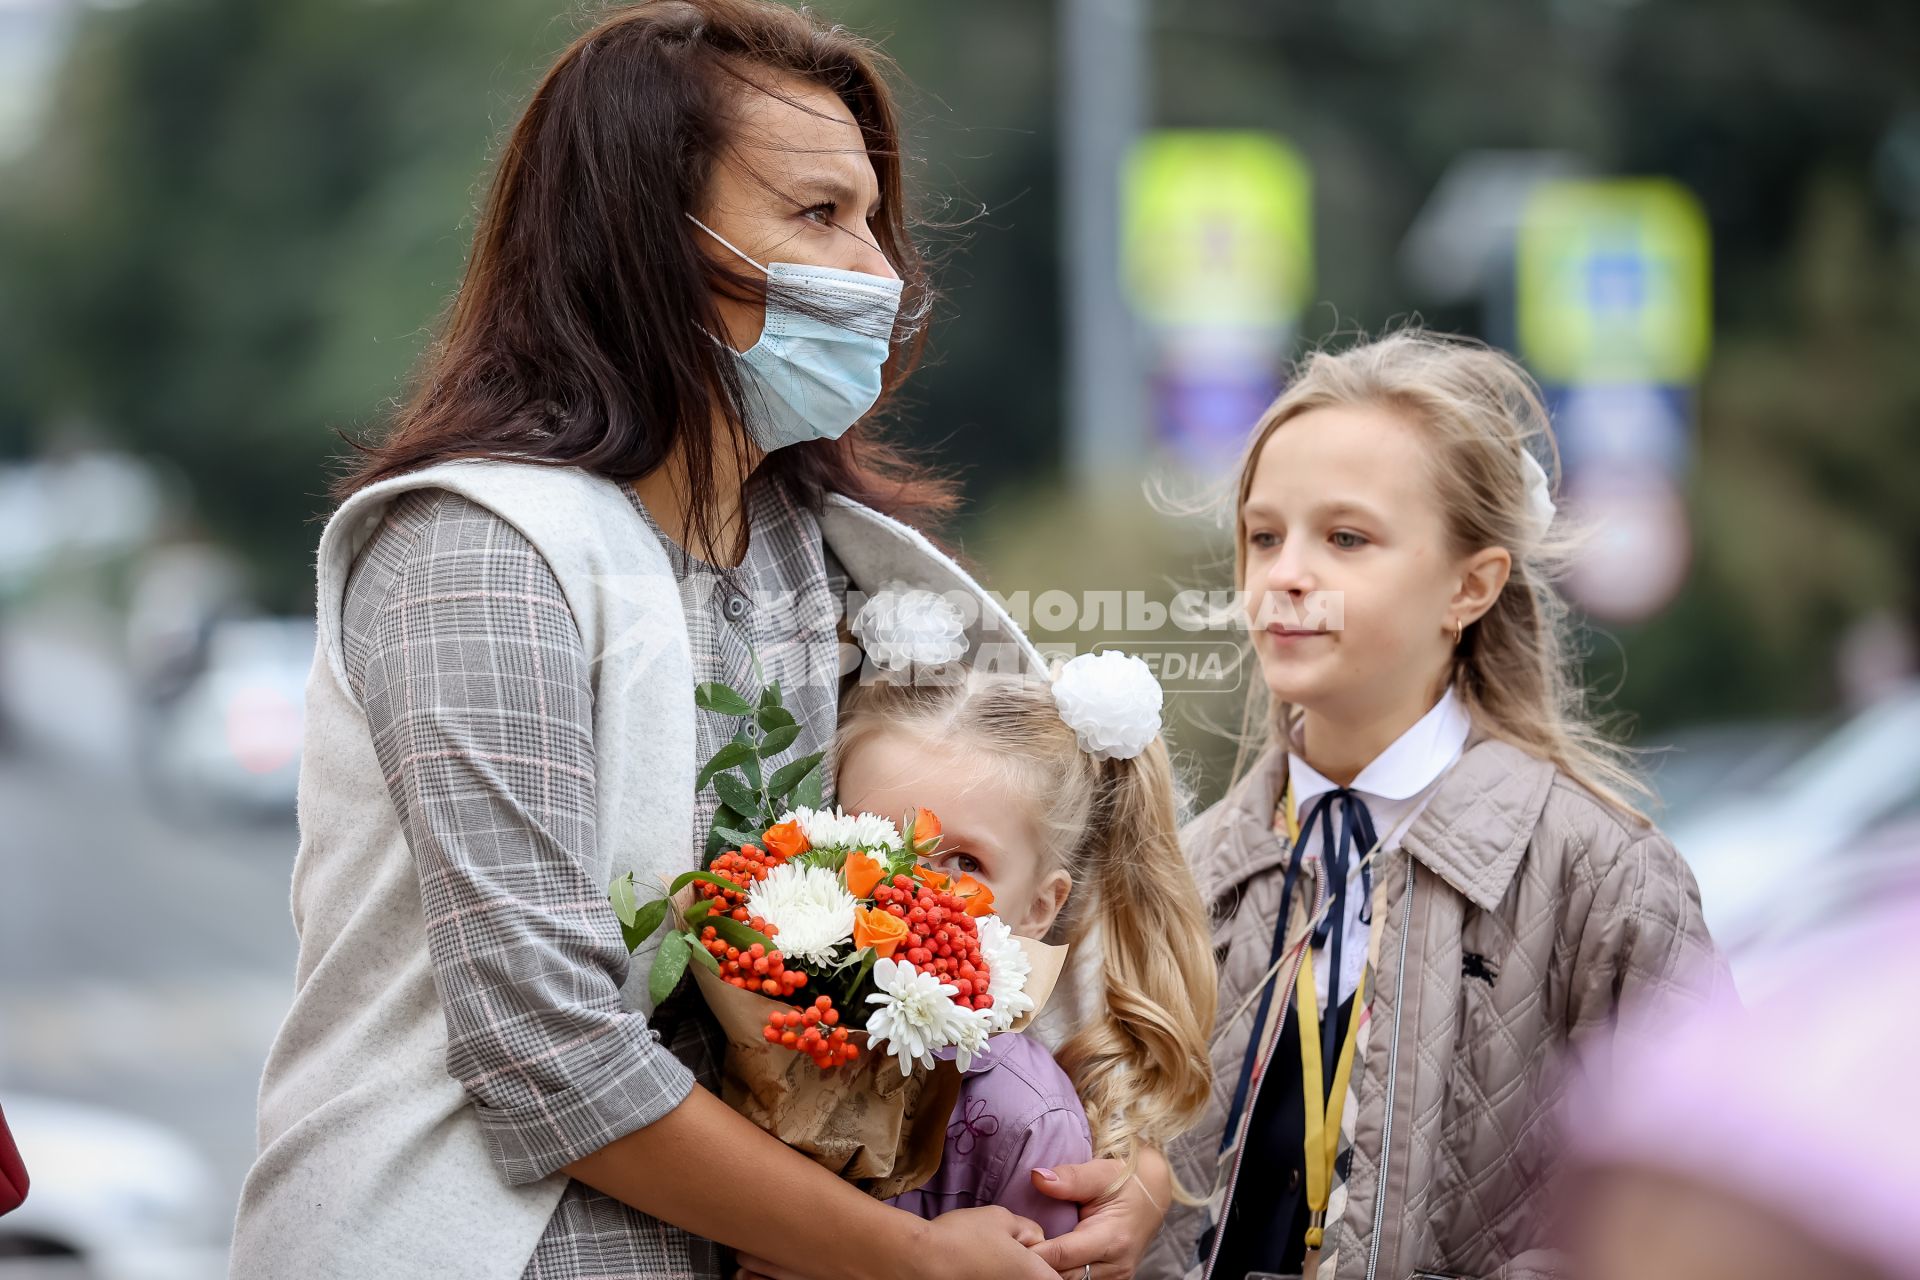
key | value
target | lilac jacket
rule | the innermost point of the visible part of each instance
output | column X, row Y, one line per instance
column 1017, row 1112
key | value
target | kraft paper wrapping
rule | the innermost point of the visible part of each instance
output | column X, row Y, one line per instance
column 880, row 1130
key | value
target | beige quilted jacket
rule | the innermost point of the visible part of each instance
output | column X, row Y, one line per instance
column 1571, row 921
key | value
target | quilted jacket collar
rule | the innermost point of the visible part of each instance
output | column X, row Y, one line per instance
column 1472, row 835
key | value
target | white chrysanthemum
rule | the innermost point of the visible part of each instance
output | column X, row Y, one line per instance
column 837, row 829
column 1540, row 508
column 809, row 906
column 1008, row 969
column 915, row 1016
column 902, row 625
column 971, row 1036
column 1111, row 702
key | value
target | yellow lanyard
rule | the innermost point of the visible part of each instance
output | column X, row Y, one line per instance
column 1323, row 1109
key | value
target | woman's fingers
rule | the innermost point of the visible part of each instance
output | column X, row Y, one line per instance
column 752, row 1268
column 1093, row 1242
column 1081, row 1183
column 1118, row 1220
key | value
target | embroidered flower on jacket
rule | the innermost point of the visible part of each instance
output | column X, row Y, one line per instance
column 972, row 1123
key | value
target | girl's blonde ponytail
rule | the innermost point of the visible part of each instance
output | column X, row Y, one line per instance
column 1142, row 1069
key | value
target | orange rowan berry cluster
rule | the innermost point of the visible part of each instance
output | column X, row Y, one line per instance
column 814, row 1031
column 741, row 868
column 941, row 937
column 754, row 968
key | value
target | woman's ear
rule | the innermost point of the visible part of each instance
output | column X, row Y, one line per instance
column 1483, row 575
column 1049, row 899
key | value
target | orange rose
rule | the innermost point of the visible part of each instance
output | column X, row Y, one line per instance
column 977, row 896
column 928, row 876
column 881, row 930
column 786, row 839
column 863, row 873
column 923, row 829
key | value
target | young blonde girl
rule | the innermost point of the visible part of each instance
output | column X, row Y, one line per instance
column 1072, row 842
column 1431, row 882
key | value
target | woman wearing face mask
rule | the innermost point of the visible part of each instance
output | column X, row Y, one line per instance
column 632, row 463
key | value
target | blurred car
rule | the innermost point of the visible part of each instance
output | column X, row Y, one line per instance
column 1776, row 856
column 230, row 737
column 112, row 1197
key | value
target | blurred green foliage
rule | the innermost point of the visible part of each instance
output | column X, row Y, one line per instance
column 246, row 215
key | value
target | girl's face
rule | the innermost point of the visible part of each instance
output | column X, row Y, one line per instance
column 1352, row 592
column 988, row 834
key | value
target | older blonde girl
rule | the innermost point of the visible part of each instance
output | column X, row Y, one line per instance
column 1433, row 880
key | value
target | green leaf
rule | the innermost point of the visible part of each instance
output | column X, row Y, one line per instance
column 704, row 956
column 715, row 696
column 740, row 935
column 704, row 877
column 645, row 923
column 669, row 965
column 779, row 740
column 620, row 894
column 771, row 718
column 790, row 775
column 809, row 793
column 736, row 794
column 724, row 820
column 731, row 756
column 738, row 839
column 770, row 696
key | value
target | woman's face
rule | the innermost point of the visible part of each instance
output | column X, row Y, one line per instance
column 794, row 185
column 986, row 833
column 1350, row 588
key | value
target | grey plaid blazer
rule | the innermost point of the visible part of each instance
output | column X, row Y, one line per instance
column 441, row 598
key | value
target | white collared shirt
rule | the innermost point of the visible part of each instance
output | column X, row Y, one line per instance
column 1396, row 786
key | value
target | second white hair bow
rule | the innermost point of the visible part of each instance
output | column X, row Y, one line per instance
column 1540, row 508
column 1112, row 703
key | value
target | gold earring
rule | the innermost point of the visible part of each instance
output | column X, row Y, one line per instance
column 1458, row 627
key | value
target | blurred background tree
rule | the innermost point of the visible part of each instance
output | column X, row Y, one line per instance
column 243, row 218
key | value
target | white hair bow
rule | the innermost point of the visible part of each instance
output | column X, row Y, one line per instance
column 1112, row 703
column 1540, row 508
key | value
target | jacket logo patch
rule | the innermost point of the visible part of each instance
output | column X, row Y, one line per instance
column 1474, row 965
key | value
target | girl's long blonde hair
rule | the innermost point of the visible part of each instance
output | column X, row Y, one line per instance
column 1141, row 1069
column 1481, row 413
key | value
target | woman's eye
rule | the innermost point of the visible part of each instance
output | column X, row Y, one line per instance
column 1263, row 540
column 1348, row 540
column 821, row 213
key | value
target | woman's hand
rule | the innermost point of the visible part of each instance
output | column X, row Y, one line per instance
column 1117, row 1222
column 962, row 1245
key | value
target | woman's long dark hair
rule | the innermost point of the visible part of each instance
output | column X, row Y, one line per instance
column 579, row 334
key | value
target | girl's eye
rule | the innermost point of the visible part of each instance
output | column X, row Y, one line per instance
column 1348, row 540
column 1263, row 540
column 965, row 863
column 821, row 213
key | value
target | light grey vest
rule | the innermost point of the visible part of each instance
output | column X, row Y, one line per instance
column 372, row 1162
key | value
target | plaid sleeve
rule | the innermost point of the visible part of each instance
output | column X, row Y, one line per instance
column 474, row 679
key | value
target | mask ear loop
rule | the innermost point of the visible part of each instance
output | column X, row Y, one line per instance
column 730, row 246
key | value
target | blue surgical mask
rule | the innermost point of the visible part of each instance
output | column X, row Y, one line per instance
column 810, row 377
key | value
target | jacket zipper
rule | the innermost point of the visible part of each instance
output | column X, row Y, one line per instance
column 1279, row 1010
column 1393, row 1079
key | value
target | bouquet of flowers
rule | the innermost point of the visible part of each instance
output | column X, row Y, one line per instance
column 854, row 981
